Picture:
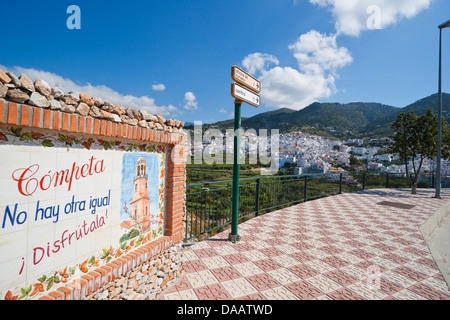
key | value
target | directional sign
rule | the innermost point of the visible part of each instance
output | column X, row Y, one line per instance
column 246, row 95
column 242, row 77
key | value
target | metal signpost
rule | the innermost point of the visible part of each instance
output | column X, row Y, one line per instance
column 439, row 137
column 243, row 94
column 245, row 90
column 237, row 74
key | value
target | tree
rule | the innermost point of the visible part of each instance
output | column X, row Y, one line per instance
column 415, row 139
column 354, row 161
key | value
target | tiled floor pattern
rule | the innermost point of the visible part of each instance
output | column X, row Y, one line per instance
column 341, row 247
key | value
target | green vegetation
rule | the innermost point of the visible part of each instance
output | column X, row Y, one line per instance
column 209, row 204
column 200, row 173
column 130, row 235
column 415, row 139
column 382, row 126
column 335, row 120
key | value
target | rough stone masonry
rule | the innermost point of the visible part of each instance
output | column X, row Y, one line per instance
column 146, row 282
column 39, row 93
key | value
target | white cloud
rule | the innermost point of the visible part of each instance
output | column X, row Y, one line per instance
column 288, row 88
column 190, row 101
column 317, row 53
column 354, row 16
column 141, row 103
column 319, row 58
column 226, row 112
column 258, row 61
column 158, row 87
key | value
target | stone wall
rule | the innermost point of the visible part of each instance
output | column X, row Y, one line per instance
column 33, row 115
column 38, row 93
column 146, row 282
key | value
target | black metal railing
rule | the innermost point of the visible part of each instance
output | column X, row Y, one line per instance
column 208, row 205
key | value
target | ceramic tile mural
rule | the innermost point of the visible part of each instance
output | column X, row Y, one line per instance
column 70, row 203
column 142, row 195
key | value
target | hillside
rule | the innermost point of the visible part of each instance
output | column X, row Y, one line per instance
column 381, row 126
column 336, row 120
column 329, row 119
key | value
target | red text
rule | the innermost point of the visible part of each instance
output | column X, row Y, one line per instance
column 29, row 180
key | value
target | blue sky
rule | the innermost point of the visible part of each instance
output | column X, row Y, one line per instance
column 175, row 57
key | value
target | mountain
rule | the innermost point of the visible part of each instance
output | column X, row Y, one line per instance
column 336, row 120
column 382, row 125
column 329, row 119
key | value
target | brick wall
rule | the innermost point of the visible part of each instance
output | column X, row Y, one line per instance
column 17, row 115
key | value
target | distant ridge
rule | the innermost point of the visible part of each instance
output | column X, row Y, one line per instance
column 336, row 120
column 382, row 125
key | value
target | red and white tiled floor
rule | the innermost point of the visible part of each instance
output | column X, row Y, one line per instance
column 343, row 247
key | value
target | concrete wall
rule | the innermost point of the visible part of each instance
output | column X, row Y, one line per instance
column 435, row 231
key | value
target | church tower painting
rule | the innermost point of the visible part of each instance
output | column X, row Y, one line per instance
column 142, row 194
column 140, row 205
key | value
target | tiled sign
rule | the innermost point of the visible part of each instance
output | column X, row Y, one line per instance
column 71, row 203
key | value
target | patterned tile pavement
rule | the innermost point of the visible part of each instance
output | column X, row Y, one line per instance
column 345, row 247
